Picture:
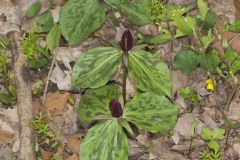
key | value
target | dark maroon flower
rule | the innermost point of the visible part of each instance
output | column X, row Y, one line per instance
column 115, row 108
column 126, row 43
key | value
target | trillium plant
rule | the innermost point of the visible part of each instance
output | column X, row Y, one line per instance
column 150, row 109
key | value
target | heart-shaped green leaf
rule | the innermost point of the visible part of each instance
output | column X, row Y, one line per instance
column 95, row 67
column 95, row 102
column 185, row 61
column 79, row 18
column 105, row 141
column 136, row 11
column 151, row 112
column 149, row 72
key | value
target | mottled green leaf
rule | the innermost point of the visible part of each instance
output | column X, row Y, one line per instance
column 149, row 72
column 53, row 37
column 105, row 141
column 95, row 102
column 151, row 112
column 235, row 26
column 95, row 67
column 33, row 10
column 186, row 25
column 79, row 18
column 45, row 21
column 136, row 11
column 185, row 61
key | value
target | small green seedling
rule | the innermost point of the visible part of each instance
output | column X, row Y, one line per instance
column 36, row 89
column 149, row 109
column 45, row 134
column 211, row 137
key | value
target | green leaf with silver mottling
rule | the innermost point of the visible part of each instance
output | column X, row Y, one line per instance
column 136, row 11
column 79, row 18
column 151, row 112
column 105, row 141
column 149, row 72
column 95, row 102
column 95, row 67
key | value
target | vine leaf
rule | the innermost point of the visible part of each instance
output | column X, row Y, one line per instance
column 79, row 18
column 136, row 11
column 95, row 67
column 149, row 72
column 95, row 102
column 105, row 141
column 151, row 112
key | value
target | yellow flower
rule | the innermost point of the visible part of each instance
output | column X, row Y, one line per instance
column 209, row 85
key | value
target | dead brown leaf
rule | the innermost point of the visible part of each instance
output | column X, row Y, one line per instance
column 72, row 157
column 237, row 6
column 46, row 155
column 55, row 103
column 37, row 105
column 6, row 137
column 73, row 142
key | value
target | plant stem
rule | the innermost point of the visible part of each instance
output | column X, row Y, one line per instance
column 124, row 87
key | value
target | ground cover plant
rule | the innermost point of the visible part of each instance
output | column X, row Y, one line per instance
column 119, row 79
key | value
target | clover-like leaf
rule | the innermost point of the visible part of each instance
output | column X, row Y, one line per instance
column 95, row 102
column 79, row 18
column 185, row 61
column 105, row 141
column 206, row 134
column 218, row 133
column 149, row 72
column 136, row 11
column 151, row 112
column 95, row 67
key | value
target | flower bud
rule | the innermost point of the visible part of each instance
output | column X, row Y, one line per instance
column 115, row 108
column 126, row 43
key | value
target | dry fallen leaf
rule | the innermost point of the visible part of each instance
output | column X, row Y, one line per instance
column 37, row 105
column 46, row 155
column 55, row 103
column 72, row 157
column 6, row 137
column 73, row 142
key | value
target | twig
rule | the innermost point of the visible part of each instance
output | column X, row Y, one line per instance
column 48, row 78
column 124, row 80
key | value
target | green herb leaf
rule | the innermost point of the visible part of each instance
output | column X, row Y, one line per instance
column 206, row 40
column 235, row 66
column 212, row 59
column 208, row 23
column 230, row 55
column 186, row 25
column 95, row 67
column 53, row 38
column 149, row 72
column 185, row 61
column 214, row 145
column 159, row 39
column 136, row 11
column 151, row 112
column 105, row 141
column 218, row 133
column 79, row 18
column 5, row 99
column 45, row 21
column 37, row 63
column 95, row 102
column 33, row 10
column 203, row 8
column 206, row 134
column 235, row 27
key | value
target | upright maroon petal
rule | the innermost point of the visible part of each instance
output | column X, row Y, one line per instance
column 115, row 108
column 126, row 43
